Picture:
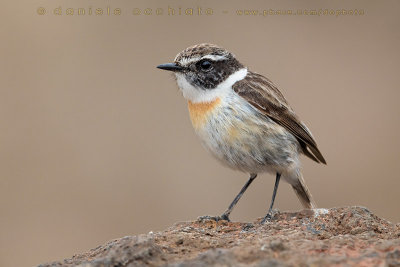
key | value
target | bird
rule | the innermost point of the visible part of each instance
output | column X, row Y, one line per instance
column 243, row 119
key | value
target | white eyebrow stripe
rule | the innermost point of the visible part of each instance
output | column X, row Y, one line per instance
column 215, row 57
column 187, row 61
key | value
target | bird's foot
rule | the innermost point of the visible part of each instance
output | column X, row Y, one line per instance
column 267, row 217
column 270, row 215
column 223, row 217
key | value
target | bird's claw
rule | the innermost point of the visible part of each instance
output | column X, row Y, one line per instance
column 223, row 217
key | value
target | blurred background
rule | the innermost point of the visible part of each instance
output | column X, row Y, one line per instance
column 96, row 143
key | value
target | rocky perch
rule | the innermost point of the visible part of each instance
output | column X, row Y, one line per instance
column 337, row 236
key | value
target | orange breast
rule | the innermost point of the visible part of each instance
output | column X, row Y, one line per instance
column 199, row 112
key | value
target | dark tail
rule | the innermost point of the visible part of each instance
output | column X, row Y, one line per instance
column 304, row 195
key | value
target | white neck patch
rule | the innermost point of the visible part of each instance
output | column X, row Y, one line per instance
column 198, row 95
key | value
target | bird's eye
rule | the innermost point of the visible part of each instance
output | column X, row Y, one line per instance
column 205, row 65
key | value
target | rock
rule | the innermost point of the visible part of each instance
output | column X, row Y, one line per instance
column 337, row 236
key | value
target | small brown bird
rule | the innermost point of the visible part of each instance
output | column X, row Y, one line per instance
column 243, row 119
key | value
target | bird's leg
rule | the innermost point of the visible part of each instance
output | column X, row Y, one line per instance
column 269, row 214
column 225, row 215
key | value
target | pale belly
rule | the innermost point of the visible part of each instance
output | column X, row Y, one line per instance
column 241, row 137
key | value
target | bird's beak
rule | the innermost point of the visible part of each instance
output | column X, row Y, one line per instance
column 170, row 67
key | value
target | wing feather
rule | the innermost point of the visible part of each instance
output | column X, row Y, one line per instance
column 265, row 96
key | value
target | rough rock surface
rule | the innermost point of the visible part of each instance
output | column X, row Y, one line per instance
column 349, row 236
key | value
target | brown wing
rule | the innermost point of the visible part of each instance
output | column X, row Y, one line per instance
column 263, row 94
